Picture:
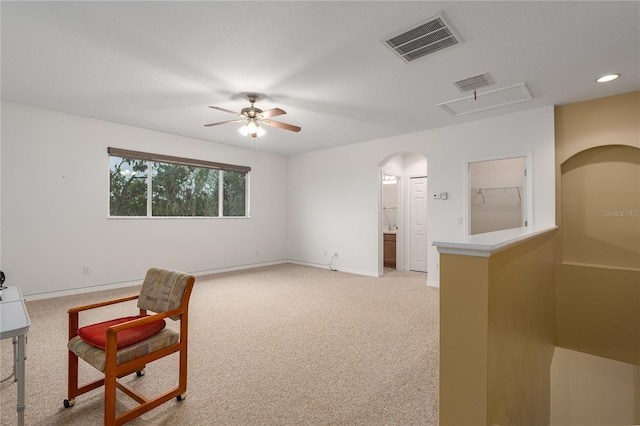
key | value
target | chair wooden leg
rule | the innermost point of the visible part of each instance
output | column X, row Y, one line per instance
column 183, row 370
column 109, row 397
column 72, row 376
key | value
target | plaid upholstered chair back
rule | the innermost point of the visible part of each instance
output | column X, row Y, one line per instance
column 164, row 290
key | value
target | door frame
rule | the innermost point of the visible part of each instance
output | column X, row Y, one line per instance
column 467, row 185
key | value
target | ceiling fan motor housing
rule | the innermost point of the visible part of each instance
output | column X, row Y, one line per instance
column 255, row 115
column 251, row 112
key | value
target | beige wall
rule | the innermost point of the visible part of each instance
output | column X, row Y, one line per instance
column 464, row 306
column 613, row 120
column 598, row 261
column 521, row 332
column 601, row 207
column 591, row 390
column 598, row 212
column 636, row 396
column 497, row 328
column 597, row 311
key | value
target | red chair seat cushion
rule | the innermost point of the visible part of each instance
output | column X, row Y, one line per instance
column 96, row 334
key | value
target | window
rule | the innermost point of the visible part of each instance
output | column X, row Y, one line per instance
column 152, row 185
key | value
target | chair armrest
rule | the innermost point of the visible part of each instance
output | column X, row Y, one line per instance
column 101, row 304
column 115, row 329
column 145, row 320
column 73, row 312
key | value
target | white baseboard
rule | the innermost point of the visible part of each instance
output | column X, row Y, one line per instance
column 113, row 286
column 71, row 292
column 236, row 268
column 336, row 268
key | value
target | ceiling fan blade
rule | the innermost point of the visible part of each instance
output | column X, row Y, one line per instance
column 282, row 125
column 223, row 122
column 272, row 112
column 225, row 110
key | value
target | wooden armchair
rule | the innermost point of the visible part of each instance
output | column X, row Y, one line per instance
column 125, row 345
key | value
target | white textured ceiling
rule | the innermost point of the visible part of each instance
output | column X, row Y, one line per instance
column 159, row 65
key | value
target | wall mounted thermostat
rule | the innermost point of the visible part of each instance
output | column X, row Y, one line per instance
column 440, row 195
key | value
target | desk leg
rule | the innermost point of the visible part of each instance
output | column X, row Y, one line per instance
column 20, row 377
column 14, row 341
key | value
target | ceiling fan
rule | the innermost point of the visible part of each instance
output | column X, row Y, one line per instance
column 253, row 117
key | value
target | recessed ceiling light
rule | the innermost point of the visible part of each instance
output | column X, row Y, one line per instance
column 606, row 78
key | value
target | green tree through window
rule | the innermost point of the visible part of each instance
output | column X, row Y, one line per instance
column 235, row 188
column 184, row 191
column 128, row 195
column 177, row 190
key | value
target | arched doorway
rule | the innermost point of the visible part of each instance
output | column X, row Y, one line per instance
column 402, row 213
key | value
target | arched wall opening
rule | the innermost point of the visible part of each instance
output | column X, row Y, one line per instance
column 600, row 205
column 403, row 213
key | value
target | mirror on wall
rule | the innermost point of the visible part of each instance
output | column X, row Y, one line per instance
column 389, row 203
column 390, row 213
column 497, row 195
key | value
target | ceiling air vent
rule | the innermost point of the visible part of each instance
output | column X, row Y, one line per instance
column 423, row 39
column 473, row 83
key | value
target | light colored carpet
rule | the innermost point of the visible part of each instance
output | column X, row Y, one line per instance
column 280, row 345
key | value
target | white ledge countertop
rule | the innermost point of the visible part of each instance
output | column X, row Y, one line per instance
column 484, row 245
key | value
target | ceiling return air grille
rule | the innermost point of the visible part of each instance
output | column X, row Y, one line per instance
column 473, row 83
column 423, row 39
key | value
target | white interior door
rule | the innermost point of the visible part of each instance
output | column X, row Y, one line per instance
column 418, row 224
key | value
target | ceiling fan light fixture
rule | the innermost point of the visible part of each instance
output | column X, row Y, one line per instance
column 251, row 128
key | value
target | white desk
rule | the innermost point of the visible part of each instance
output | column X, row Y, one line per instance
column 14, row 323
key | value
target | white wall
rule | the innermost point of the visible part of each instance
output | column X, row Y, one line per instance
column 54, row 199
column 334, row 193
column 55, row 206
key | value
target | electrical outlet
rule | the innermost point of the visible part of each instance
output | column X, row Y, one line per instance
column 257, row 252
column 326, row 253
column 86, row 270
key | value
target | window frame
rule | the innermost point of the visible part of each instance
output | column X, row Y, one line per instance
column 150, row 158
